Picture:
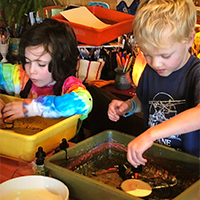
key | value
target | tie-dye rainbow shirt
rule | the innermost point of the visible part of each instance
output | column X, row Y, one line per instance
column 75, row 99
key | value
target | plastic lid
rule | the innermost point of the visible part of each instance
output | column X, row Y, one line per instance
column 136, row 187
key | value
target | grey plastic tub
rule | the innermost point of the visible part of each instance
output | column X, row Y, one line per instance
column 85, row 188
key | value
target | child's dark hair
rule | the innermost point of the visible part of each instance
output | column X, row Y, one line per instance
column 59, row 40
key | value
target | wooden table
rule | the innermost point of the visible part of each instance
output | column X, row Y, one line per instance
column 9, row 168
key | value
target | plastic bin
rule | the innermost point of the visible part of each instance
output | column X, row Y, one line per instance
column 14, row 144
column 121, row 23
column 86, row 188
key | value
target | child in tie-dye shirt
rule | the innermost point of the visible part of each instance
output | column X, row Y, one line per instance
column 46, row 77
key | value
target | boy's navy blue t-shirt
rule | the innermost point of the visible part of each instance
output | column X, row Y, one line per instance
column 165, row 97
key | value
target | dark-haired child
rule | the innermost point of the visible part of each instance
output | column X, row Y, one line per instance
column 46, row 77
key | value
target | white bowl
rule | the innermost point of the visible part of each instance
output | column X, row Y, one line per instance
column 32, row 188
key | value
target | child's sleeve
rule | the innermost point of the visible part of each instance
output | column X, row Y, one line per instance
column 12, row 78
column 75, row 99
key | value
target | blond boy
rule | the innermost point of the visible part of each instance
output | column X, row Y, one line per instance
column 168, row 92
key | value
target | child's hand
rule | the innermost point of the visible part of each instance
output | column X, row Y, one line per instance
column 2, row 104
column 13, row 110
column 118, row 108
column 137, row 147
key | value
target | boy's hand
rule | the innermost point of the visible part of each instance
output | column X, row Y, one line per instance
column 2, row 104
column 137, row 147
column 13, row 110
column 118, row 108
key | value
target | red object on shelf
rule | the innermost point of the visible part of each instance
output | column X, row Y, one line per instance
column 121, row 23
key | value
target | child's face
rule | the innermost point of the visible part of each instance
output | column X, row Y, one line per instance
column 36, row 66
column 167, row 60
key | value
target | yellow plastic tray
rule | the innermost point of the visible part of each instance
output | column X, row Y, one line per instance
column 13, row 144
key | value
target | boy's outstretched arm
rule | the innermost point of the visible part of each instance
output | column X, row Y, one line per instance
column 184, row 122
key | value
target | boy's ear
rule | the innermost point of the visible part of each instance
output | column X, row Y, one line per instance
column 191, row 41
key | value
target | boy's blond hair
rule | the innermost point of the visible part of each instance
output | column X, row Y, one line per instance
column 154, row 17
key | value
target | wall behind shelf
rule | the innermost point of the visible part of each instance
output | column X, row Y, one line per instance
column 111, row 3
